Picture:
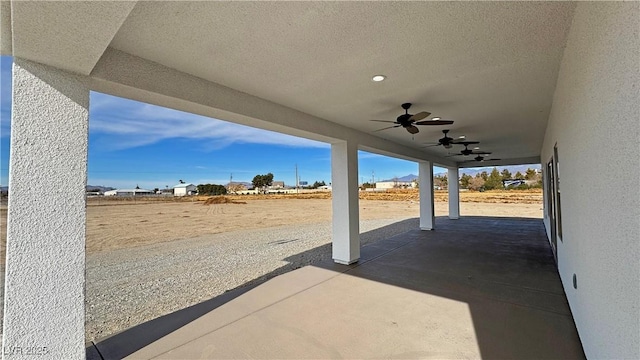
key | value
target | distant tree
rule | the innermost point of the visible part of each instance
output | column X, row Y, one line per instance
column 440, row 181
column 155, row 190
column 137, row 187
column 368, row 185
column 518, row 176
column 211, row 189
column 494, row 181
column 262, row 181
column 530, row 174
column 464, row 180
column 506, row 174
column 522, row 186
column 475, row 183
column 219, row 190
column 484, row 176
column 317, row 184
column 181, row 181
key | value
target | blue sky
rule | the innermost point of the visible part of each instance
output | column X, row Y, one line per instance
column 133, row 143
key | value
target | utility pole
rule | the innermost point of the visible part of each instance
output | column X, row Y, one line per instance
column 297, row 180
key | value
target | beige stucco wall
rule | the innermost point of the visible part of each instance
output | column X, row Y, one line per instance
column 594, row 121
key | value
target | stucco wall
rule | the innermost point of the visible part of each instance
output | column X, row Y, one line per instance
column 44, row 286
column 594, row 121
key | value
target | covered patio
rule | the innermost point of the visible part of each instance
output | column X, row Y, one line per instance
column 476, row 287
column 555, row 83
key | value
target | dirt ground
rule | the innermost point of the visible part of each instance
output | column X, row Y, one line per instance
column 118, row 223
column 145, row 256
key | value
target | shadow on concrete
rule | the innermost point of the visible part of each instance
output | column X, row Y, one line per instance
column 133, row 339
column 503, row 268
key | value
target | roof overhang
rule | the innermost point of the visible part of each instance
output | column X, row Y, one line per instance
column 305, row 68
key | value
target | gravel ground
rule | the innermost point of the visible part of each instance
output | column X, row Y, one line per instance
column 128, row 287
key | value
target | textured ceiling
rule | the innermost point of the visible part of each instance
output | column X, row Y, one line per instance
column 489, row 66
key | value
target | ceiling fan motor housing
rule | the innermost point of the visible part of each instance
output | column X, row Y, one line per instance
column 404, row 119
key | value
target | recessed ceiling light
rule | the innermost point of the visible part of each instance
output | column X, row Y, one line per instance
column 462, row 137
column 436, row 118
column 476, row 148
column 378, row 78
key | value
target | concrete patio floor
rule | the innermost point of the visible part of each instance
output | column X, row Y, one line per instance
column 478, row 287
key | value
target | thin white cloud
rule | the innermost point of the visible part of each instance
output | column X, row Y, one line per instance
column 132, row 124
column 367, row 155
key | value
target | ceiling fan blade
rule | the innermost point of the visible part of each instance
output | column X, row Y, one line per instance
column 419, row 116
column 412, row 129
column 435, row 122
column 480, row 153
column 431, row 145
column 385, row 121
column 464, row 142
column 388, row 127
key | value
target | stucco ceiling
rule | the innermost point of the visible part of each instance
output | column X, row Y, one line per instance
column 489, row 66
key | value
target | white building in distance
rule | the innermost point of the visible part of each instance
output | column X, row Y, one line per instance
column 128, row 192
column 184, row 190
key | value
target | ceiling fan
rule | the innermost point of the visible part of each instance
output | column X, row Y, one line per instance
column 448, row 142
column 409, row 121
column 467, row 151
column 479, row 158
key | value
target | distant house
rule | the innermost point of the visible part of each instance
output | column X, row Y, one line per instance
column 184, row 190
column 237, row 187
column 277, row 185
column 128, row 192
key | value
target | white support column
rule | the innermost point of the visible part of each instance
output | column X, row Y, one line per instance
column 454, row 194
column 344, row 184
column 45, row 263
column 427, row 213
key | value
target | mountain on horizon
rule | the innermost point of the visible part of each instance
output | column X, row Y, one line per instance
column 406, row 178
column 248, row 185
column 473, row 171
column 513, row 169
